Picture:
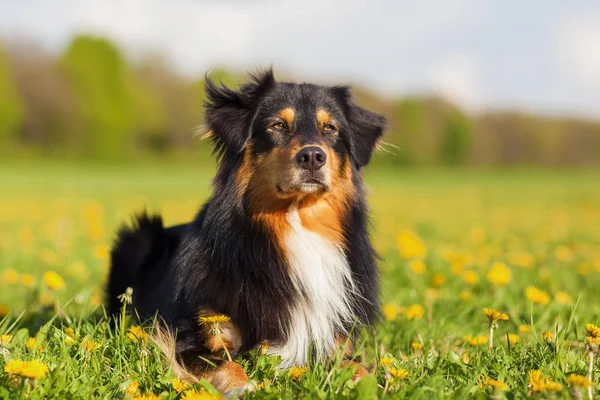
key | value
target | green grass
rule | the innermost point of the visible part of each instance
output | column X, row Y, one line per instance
column 543, row 225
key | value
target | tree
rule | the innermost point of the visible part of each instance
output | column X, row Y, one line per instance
column 456, row 140
column 101, row 81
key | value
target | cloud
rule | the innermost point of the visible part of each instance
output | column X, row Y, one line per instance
column 456, row 79
column 579, row 48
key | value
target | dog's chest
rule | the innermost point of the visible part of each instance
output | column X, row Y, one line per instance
column 323, row 281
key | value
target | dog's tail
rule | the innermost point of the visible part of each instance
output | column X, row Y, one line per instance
column 137, row 249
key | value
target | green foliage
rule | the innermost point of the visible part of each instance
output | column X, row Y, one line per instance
column 101, row 80
column 11, row 106
column 456, row 139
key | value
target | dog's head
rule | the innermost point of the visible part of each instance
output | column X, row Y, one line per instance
column 294, row 140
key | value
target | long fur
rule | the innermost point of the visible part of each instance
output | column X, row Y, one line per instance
column 290, row 267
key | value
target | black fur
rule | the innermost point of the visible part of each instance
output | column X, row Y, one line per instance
column 225, row 261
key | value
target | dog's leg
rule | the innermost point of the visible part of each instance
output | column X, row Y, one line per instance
column 346, row 346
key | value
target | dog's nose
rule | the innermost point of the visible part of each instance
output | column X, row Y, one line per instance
column 311, row 158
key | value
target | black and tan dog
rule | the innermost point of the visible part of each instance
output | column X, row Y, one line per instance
column 281, row 247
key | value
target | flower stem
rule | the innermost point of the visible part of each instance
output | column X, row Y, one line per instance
column 590, row 371
column 225, row 348
column 491, row 337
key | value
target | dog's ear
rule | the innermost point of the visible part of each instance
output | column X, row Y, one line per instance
column 229, row 112
column 365, row 127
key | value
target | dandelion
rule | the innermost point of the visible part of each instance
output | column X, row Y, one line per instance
column 10, row 277
column 136, row 334
column 499, row 274
column 593, row 330
column 415, row 311
column 493, row 318
column 53, row 280
column 386, row 362
column 524, row 329
column 102, row 253
column 132, row 388
column 201, row 395
column 417, row 266
column 27, row 280
column 411, row 245
column 465, row 358
column 513, row 339
column 30, row 344
column 89, row 345
column 296, row 373
column 536, row 295
column 562, row 253
column 179, row 385
column 563, row 298
column 5, row 340
column 29, row 369
column 471, row 278
column 593, row 341
column 416, row 346
column 548, row 337
column 579, row 381
column 215, row 321
column 398, row 374
column 146, row 396
column 70, row 338
column 390, row 311
column 438, row 280
column 465, row 295
column 493, row 383
column 127, row 297
column 475, row 341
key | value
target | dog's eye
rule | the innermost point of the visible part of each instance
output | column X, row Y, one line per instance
column 330, row 128
column 278, row 126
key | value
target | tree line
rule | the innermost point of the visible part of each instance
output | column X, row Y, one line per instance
column 91, row 101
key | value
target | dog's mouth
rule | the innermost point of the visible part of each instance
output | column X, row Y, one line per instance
column 306, row 186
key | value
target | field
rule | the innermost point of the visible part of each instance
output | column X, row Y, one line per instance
column 525, row 243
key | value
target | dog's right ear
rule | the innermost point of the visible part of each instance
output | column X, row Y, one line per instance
column 229, row 112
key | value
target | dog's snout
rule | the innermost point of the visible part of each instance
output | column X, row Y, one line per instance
column 311, row 158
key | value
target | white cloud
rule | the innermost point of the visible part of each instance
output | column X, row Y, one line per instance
column 456, row 79
column 579, row 49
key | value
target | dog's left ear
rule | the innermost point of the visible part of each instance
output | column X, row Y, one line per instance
column 229, row 112
column 365, row 127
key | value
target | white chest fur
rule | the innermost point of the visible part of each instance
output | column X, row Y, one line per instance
column 322, row 275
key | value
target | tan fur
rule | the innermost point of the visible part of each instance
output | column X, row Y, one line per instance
column 323, row 117
column 359, row 371
column 288, row 115
column 230, row 335
column 345, row 344
column 165, row 341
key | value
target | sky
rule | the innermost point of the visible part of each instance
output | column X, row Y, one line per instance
column 539, row 56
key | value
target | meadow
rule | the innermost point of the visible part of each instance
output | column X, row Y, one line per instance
column 522, row 244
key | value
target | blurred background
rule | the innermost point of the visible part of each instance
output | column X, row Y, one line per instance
column 462, row 82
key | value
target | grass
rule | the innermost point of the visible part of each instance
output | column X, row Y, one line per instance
column 526, row 243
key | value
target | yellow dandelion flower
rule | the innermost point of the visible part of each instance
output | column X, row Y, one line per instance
column 30, row 344
column 89, row 345
column 521, row 259
column 5, row 340
column 10, row 277
column 591, row 340
column 53, row 280
column 513, row 339
column 563, row 253
column 593, row 330
column 579, row 381
column 499, row 274
column 132, row 388
column 411, row 245
column 417, row 266
column 386, row 362
column 214, row 319
column 476, row 341
column 70, row 336
column 416, row 346
column 14, row 367
column 390, row 311
column 102, row 253
column 465, row 358
column 415, row 311
column 471, row 278
column 199, row 395
column 494, row 316
column 563, row 298
column 524, row 329
column 34, row 370
column 552, row 386
column 295, row 373
column 493, row 383
column 398, row 374
column 146, row 396
column 49, row 257
column 27, row 280
column 548, row 337
column 179, row 385
column 438, row 279
column 536, row 381
column 536, row 295
column 136, row 334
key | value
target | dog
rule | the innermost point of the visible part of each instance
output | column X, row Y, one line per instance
column 281, row 248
